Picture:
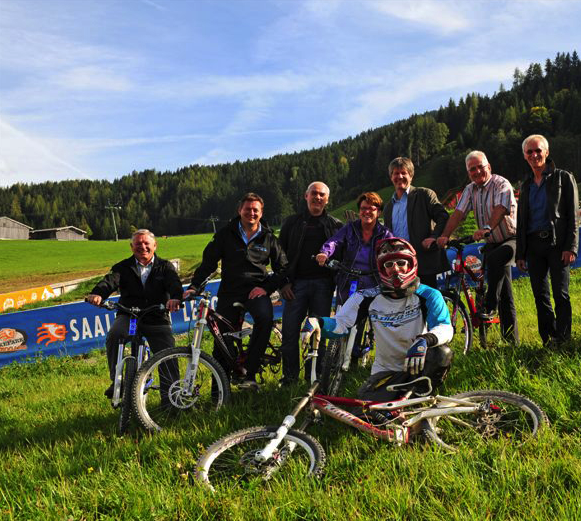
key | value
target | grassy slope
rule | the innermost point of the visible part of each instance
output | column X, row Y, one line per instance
column 62, row 460
column 29, row 263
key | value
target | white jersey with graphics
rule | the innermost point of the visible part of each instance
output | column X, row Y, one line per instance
column 396, row 323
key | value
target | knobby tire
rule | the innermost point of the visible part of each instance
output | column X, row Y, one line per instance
column 230, row 460
column 462, row 324
column 332, row 374
column 129, row 371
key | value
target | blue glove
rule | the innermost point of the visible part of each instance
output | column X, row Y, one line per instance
column 416, row 356
column 311, row 327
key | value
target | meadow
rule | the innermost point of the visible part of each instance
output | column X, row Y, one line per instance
column 61, row 459
column 26, row 264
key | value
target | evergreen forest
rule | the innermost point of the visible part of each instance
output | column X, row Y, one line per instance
column 544, row 99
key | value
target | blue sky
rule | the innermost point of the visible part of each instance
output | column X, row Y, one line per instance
column 99, row 88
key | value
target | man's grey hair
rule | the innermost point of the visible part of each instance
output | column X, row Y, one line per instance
column 535, row 136
column 476, row 153
column 310, row 187
column 142, row 231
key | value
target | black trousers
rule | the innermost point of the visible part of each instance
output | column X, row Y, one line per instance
column 498, row 259
column 542, row 260
column 260, row 309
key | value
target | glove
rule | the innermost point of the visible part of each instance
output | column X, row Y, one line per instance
column 416, row 356
column 311, row 327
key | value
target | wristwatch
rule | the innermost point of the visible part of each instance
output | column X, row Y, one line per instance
column 487, row 227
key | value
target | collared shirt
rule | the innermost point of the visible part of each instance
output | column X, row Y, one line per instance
column 243, row 233
column 144, row 270
column 399, row 216
column 538, row 214
column 482, row 200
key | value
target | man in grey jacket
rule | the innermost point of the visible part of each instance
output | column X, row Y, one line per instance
column 416, row 215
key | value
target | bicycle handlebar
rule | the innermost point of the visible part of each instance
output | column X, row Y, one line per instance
column 336, row 265
column 112, row 306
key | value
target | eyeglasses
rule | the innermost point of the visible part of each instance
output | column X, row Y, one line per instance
column 368, row 208
column 534, row 151
column 400, row 263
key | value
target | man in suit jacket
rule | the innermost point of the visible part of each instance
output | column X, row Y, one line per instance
column 143, row 279
column 416, row 215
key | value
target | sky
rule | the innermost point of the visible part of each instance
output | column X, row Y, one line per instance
column 99, row 88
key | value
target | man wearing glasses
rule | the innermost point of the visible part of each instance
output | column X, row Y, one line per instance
column 416, row 215
column 548, row 237
column 492, row 200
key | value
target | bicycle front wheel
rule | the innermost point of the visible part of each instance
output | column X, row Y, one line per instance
column 501, row 415
column 463, row 332
column 231, row 460
column 332, row 374
column 130, row 368
column 161, row 396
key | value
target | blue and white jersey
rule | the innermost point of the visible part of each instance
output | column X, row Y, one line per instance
column 396, row 323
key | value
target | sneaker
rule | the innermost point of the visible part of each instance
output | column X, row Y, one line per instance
column 249, row 384
column 109, row 392
column 486, row 317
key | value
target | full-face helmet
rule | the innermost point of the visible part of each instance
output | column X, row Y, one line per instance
column 396, row 252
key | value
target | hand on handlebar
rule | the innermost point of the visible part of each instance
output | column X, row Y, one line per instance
column 321, row 258
column 481, row 234
column 442, row 241
column 173, row 305
column 189, row 293
column 95, row 300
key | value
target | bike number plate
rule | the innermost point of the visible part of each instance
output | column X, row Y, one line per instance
column 353, row 287
column 132, row 326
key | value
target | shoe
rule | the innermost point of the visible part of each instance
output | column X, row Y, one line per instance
column 249, row 384
column 109, row 392
column 486, row 317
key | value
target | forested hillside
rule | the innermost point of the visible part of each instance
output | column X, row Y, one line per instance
column 543, row 99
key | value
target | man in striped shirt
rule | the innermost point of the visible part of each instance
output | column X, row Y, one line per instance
column 492, row 200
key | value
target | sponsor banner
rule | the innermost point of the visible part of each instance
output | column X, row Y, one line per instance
column 76, row 328
column 17, row 299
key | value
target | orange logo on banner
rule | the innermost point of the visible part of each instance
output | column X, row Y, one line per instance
column 51, row 332
column 17, row 299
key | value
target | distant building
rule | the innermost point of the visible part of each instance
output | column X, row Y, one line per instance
column 11, row 229
column 65, row 233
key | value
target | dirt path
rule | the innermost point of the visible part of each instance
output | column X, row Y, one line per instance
column 34, row 281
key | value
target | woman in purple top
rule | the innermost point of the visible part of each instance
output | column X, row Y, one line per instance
column 354, row 245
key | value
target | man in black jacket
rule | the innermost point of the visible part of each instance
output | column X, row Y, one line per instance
column 548, row 237
column 246, row 246
column 142, row 280
column 310, row 290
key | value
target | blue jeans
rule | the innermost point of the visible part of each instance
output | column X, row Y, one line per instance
column 312, row 297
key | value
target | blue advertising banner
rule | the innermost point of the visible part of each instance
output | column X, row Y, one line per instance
column 76, row 328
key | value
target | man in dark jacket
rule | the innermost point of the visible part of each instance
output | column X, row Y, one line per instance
column 548, row 237
column 246, row 246
column 142, row 280
column 416, row 215
column 310, row 288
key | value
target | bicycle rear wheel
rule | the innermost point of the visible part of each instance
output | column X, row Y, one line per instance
column 463, row 332
column 162, row 397
column 130, row 368
column 502, row 415
column 332, row 374
column 231, row 460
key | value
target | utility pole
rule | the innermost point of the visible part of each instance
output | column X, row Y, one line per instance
column 113, row 207
column 213, row 219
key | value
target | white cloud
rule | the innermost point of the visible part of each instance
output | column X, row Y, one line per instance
column 441, row 16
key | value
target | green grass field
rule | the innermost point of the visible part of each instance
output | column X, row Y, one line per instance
column 61, row 459
column 26, row 264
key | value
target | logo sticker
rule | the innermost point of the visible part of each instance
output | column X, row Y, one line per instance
column 51, row 332
column 12, row 340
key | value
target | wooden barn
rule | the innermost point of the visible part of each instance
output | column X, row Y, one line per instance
column 65, row 233
column 11, row 229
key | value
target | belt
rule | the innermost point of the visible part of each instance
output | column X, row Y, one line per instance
column 542, row 234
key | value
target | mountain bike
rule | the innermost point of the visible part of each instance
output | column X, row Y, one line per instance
column 467, row 271
column 127, row 365
column 265, row 452
column 198, row 383
column 339, row 353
